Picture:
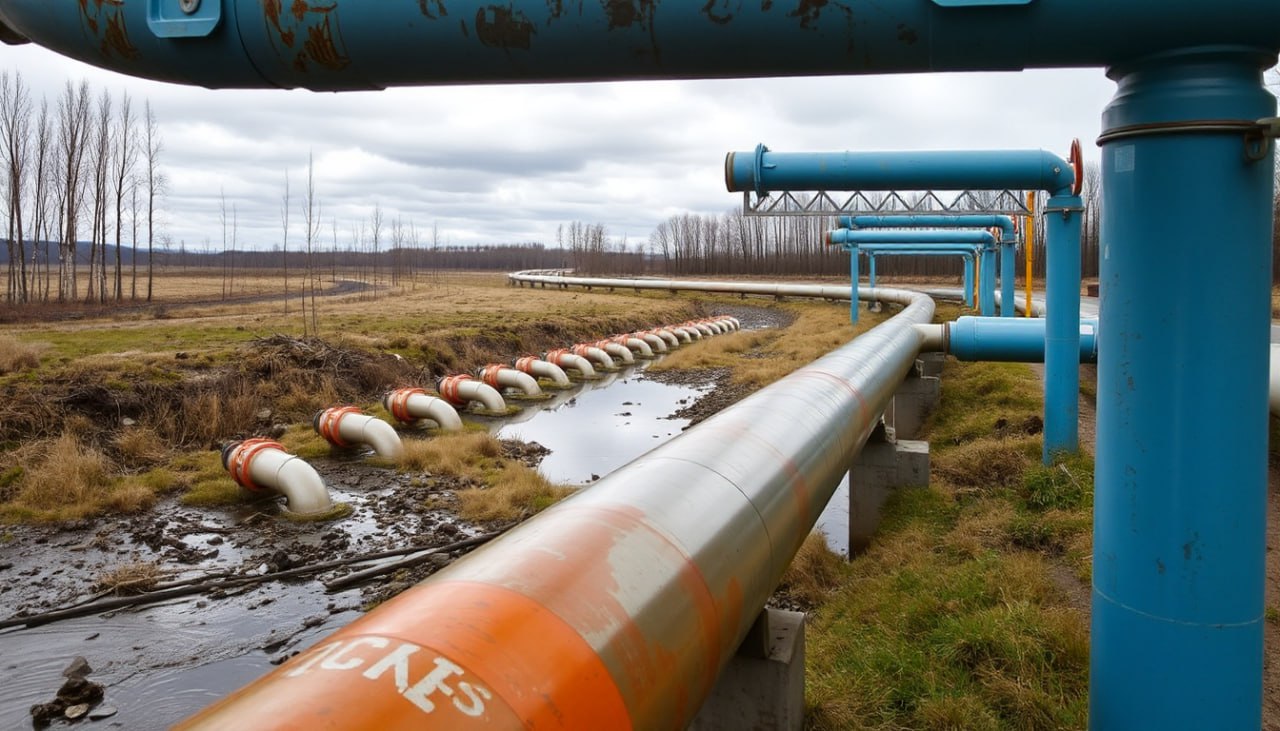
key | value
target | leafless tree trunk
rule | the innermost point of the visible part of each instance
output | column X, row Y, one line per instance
column 73, row 133
column 284, row 242
column 222, row 219
column 15, row 126
column 155, row 185
column 44, row 171
column 101, row 167
column 133, row 239
column 126, row 158
column 311, row 215
column 375, row 237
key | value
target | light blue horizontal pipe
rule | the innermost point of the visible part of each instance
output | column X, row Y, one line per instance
column 849, row 236
column 1008, row 240
column 1020, row 340
column 917, row 220
column 921, row 249
column 369, row 45
column 763, row 171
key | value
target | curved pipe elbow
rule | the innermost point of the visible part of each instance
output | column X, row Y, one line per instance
column 565, row 359
column 462, row 389
column 655, row 342
column 500, row 377
column 344, row 426
column 686, row 334
column 595, row 355
column 262, row 464
column 669, row 337
column 638, row 345
column 616, row 350
column 543, row 369
column 411, row 405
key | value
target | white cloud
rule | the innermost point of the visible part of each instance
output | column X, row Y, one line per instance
column 510, row 163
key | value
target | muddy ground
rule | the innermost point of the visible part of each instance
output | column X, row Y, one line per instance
column 162, row 661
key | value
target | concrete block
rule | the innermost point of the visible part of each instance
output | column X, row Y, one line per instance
column 930, row 364
column 912, row 403
column 882, row 467
column 762, row 687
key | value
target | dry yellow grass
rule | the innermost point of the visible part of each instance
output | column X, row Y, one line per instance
column 15, row 355
column 507, row 490
column 758, row 358
column 814, row 573
column 130, row 578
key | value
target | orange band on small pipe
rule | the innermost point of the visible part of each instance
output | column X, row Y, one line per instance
column 329, row 420
column 243, row 455
column 399, row 403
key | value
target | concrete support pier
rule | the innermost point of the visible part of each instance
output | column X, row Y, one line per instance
column 763, row 685
column 884, row 465
column 915, row 399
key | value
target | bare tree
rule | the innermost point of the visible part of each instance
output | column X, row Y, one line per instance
column 102, row 154
column 284, row 242
column 44, row 173
column 152, row 146
column 133, row 238
column 311, row 217
column 222, row 219
column 15, row 127
column 375, row 236
column 126, row 156
column 73, row 133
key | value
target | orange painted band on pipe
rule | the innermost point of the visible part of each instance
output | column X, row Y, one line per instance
column 454, row 654
column 449, row 388
column 489, row 374
column 327, row 425
column 243, row 455
column 525, row 363
column 398, row 403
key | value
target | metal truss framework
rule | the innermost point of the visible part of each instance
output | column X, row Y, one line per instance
column 827, row 203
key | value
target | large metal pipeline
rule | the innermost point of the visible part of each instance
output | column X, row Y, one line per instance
column 250, row 43
column 618, row 607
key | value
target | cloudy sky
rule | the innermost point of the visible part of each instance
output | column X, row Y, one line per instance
column 494, row 164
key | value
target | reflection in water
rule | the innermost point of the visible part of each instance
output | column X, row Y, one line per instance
column 602, row 425
column 834, row 520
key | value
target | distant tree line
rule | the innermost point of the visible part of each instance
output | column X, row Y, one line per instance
column 85, row 167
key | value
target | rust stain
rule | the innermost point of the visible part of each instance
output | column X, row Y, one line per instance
column 316, row 24
column 505, row 28
column 106, row 17
column 808, row 11
column 719, row 18
column 440, row 10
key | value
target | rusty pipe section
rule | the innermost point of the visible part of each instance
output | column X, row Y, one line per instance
column 618, row 607
column 370, row 45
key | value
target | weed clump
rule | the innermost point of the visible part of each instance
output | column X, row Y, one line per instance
column 16, row 355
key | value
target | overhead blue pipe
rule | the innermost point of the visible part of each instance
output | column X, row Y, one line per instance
column 1181, row 474
column 764, row 171
column 1020, row 340
column 367, row 45
column 858, row 236
column 987, row 287
column 853, row 282
column 1008, row 239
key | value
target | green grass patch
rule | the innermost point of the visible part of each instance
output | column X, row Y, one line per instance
column 960, row 615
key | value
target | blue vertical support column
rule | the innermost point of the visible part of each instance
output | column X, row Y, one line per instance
column 871, row 273
column 853, row 283
column 968, row 281
column 1181, row 477
column 987, row 282
column 1062, row 222
column 1008, row 267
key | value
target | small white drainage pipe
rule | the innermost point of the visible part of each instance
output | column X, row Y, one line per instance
column 594, row 354
column 462, row 389
column 617, row 350
column 717, row 327
column 636, row 344
column 654, row 341
column 565, row 359
column 500, row 377
column 542, row 369
column 735, row 322
column 411, row 405
column 668, row 336
column 260, row 465
column 343, row 426
column 686, row 334
column 705, row 330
